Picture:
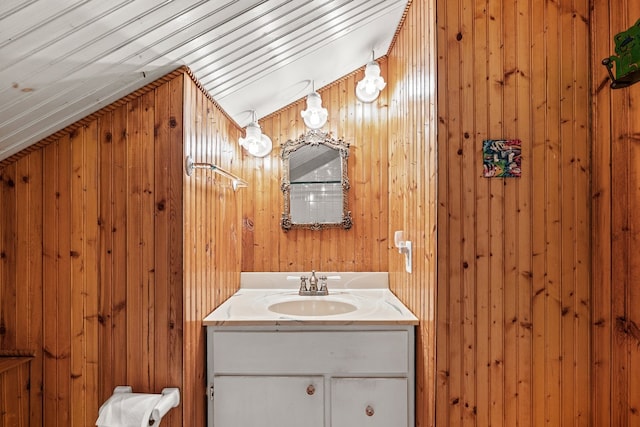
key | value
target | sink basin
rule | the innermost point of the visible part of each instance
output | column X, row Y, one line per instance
column 312, row 307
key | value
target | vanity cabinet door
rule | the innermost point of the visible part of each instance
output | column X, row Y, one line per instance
column 371, row 402
column 251, row 401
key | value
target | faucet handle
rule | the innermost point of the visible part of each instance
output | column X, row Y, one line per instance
column 323, row 283
column 303, row 283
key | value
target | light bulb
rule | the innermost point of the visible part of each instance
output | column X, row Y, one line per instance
column 368, row 89
column 314, row 116
column 254, row 148
column 255, row 142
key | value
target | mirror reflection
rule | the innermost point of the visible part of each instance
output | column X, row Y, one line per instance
column 315, row 182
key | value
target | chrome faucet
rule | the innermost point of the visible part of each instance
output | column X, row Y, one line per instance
column 313, row 285
column 313, row 282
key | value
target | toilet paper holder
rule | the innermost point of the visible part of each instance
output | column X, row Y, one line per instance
column 170, row 399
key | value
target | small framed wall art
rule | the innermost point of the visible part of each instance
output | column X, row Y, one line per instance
column 501, row 158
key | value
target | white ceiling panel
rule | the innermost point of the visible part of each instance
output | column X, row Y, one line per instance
column 61, row 60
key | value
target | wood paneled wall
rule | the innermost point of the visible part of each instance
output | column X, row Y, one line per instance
column 212, row 236
column 21, row 296
column 511, row 332
column 364, row 247
column 412, row 151
column 616, row 226
column 15, row 382
column 91, row 237
column 513, row 254
column 392, row 170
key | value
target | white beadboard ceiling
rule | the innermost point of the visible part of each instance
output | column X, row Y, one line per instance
column 61, row 60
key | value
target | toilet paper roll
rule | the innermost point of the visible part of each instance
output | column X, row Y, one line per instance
column 127, row 410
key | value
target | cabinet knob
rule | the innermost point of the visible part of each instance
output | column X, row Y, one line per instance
column 369, row 411
column 311, row 389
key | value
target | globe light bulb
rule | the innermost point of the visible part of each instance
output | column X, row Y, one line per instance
column 314, row 116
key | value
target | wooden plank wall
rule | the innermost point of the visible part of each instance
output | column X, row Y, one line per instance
column 513, row 255
column 91, row 244
column 513, row 286
column 392, row 172
column 14, row 391
column 21, row 296
column 364, row 247
column 412, row 185
column 91, row 258
column 616, row 224
column 212, row 236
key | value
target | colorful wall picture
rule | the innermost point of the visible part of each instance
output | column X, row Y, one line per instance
column 502, row 158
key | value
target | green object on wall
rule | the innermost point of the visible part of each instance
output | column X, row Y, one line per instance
column 627, row 58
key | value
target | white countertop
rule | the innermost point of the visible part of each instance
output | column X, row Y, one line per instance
column 369, row 292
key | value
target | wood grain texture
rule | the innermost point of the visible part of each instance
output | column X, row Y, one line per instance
column 615, row 201
column 212, row 241
column 513, row 254
column 392, row 169
column 91, row 270
column 411, row 129
column 266, row 247
column 14, row 391
column 20, row 398
column 534, row 301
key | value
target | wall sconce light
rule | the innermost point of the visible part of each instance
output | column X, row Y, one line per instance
column 314, row 116
column 255, row 142
column 368, row 89
column 404, row 247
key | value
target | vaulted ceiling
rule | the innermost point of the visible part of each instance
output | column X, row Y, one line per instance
column 62, row 60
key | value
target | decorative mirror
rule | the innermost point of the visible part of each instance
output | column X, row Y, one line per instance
column 315, row 182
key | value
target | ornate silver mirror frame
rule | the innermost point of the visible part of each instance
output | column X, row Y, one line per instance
column 314, row 176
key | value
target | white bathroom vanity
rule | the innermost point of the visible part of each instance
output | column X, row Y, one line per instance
column 276, row 358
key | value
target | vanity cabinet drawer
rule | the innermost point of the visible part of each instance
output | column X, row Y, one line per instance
column 371, row 402
column 298, row 352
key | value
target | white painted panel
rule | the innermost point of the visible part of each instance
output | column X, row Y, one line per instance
column 292, row 41
column 361, row 352
column 371, row 402
column 9, row 7
column 45, row 35
column 60, row 59
column 268, row 401
column 234, row 40
column 58, row 118
column 77, row 95
column 33, row 15
column 82, row 54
